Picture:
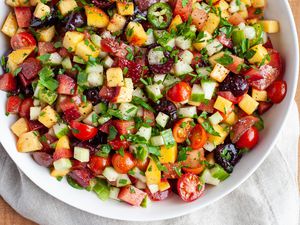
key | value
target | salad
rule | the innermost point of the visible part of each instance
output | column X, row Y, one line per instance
column 135, row 100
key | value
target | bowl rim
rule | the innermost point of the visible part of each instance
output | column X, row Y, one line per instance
column 163, row 216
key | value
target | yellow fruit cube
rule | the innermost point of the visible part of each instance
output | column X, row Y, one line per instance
column 41, row 10
column 219, row 73
column 203, row 42
column 259, row 3
column 17, row 57
column 125, row 8
column 85, row 109
column 168, row 155
column 86, row 49
column 163, row 185
column 114, row 77
column 117, row 23
column 259, row 95
column 71, row 39
column 48, row 117
column 47, row 34
column 136, row 34
column 29, row 142
column 211, row 1
column 252, row 21
column 231, row 118
column 10, row 25
column 20, row 127
column 225, row 14
column 66, row 6
column 270, row 26
column 153, row 174
column 222, row 5
column 247, row 2
column 34, row 2
column 244, row 13
column 63, row 143
column 248, row 104
column 217, row 140
column 223, row 105
column 212, row 23
column 213, row 58
column 174, row 23
column 261, row 54
column 96, row 17
column 59, row 173
column 12, row 3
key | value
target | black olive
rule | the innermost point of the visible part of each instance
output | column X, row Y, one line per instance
column 103, row 3
column 227, row 156
column 100, row 138
column 237, row 84
column 167, row 107
column 92, row 95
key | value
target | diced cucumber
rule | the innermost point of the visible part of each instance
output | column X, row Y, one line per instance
column 114, row 193
column 204, row 71
column 62, row 164
column 183, row 43
column 197, row 94
column 103, row 119
column 218, row 172
column 216, row 118
column 67, row 63
column 170, row 80
column 154, row 92
column 108, row 62
column 78, row 60
column 208, row 146
column 95, row 79
column 138, row 174
column 151, row 38
column 140, row 185
column 36, row 102
column 140, row 112
column 182, row 68
column 35, row 112
column 140, row 151
column 96, row 40
column 91, row 119
column 82, row 154
column 187, row 57
column 207, row 178
column 187, row 112
column 146, row 202
column 60, row 129
column 138, row 92
column 209, row 87
column 123, row 180
column 37, row 90
column 203, row 6
column 54, row 59
column 100, row 108
column 145, row 132
column 47, row 96
column 94, row 68
column 128, row 110
column 102, row 189
column 157, row 141
column 153, row 188
column 110, row 174
column 214, row 47
column 168, row 138
column 156, row 56
column 162, row 119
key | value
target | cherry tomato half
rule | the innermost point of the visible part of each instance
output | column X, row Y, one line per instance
column 22, row 40
column 193, row 164
column 190, row 187
column 198, row 137
column 277, row 91
column 117, row 144
column 182, row 129
column 82, row 131
column 179, row 92
column 249, row 139
column 97, row 164
column 123, row 164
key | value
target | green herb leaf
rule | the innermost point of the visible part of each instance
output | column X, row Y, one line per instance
column 209, row 128
column 225, row 60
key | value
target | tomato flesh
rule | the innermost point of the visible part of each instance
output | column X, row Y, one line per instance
column 249, row 139
column 190, row 187
column 97, row 164
column 13, row 104
column 198, row 137
column 82, row 131
column 277, row 91
column 22, row 40
column 123, row 163
column 182, row 129
column 180, row 92
column 118, row 144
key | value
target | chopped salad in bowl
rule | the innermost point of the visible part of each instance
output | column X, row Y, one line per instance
column 136, row 100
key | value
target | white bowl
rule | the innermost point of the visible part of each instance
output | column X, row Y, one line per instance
column 286, row 42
